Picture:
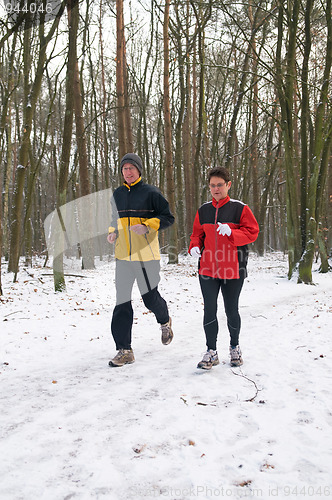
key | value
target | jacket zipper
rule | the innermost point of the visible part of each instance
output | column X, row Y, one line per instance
column 215, row 223
column 216, row 234
column 129, row 233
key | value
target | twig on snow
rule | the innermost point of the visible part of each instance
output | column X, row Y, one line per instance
column 14, row 312
column 32, row 276
column 249, row 380
column 73, row 275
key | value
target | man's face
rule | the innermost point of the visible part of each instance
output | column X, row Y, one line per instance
column 219, row 188
column 130, row 173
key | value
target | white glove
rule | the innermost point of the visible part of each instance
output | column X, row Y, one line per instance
column 224, row 229
column 195, row 252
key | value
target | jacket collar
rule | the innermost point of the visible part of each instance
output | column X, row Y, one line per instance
column 133, row 184
column 220, row 203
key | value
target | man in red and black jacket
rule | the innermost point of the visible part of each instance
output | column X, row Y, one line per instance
column 222, row 230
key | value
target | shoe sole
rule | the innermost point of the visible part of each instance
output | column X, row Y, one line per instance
column 168, row 340
column 236, row 363
column 122, row 364
column 208, row 367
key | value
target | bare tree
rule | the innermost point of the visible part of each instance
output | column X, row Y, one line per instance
column 123, row 110
column 62, row 181
column 173, row 244
column 285, row 78
column 315, row 170
column 31, row 97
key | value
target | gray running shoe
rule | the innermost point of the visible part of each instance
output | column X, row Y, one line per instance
column 123, row 357
column 210, row 359
column 236, row 356
column 167, row 332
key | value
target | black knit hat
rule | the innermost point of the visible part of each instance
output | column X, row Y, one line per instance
column 134, row 160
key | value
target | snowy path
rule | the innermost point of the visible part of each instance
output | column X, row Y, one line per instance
column 71, row 427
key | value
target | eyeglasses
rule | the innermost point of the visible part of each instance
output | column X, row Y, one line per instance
column 220, row 185
column 129, row 168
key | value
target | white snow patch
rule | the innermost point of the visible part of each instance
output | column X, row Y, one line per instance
column 71, row 427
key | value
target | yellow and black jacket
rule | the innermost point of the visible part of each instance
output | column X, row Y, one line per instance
column 139, row 203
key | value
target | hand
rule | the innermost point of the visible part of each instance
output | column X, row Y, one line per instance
column 224, row 229
column 139, row 229
column 111, row 238
column 195, row 252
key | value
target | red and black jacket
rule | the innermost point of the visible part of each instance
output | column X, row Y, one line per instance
column 224, row 257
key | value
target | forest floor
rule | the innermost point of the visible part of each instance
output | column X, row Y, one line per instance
column 71, row 427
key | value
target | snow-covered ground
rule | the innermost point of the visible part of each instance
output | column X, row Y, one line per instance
column 72, row 427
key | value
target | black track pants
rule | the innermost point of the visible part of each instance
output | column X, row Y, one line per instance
column 147, row 276
column 230, row 290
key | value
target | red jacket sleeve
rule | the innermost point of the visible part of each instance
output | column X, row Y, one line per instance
column 198, row 234
column 245, row 232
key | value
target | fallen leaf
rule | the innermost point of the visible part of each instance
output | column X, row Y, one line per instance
column 138, row 449
column 244, row 483
column 266, row 466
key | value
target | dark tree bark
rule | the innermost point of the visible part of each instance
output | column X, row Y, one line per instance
column 62, row 183
column 319, row 159
column 123, row 110
column 23, row 156
column 173, row 243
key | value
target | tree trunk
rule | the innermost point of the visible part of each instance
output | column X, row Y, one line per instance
column 105, row 149
column 0, row 237
column 254, row 128
column 6, row 156
column 285, row 94
column 73, row 16
column 271, row 165
column 29, row 109
column 178, row 135
column 305, row 117
column 329, row 207
column 319, row 161
column 173, row 243
column 186, row 141
column 86, row 245
column 123, row 110
column 194, row 142
column 325, row 266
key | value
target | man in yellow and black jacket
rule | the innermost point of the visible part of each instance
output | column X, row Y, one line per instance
column 140, row 212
